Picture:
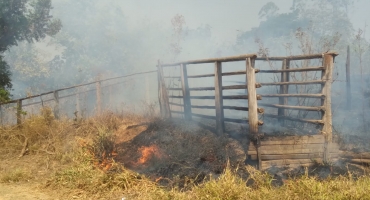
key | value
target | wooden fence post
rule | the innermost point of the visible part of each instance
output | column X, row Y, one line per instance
column 19, row 112
column 98, row 98
column 328, row 64
column 159, row 92
column 56, row 106
column 166, row 110
column 252, row 97
column 185, row 92
column 78, row 106
column 284, row 90
column 252, row 106
column 348, row 77
column 218, row 99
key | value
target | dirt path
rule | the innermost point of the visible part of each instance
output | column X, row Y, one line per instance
column 21, row 191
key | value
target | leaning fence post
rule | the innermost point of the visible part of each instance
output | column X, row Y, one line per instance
column 185, row 92
column 164, row 95
column 56, row 106
column 98, row 97
column 19, row 112
column 218, row 99
column 328, row 64
column 283, row 90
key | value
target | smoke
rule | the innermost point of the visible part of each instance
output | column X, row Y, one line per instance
column 109, row 38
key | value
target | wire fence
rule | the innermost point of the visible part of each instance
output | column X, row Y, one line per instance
column 115, row 94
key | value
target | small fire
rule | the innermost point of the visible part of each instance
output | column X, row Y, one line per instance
column 147, row 153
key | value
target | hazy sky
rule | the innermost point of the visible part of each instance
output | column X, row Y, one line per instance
column 226, row 17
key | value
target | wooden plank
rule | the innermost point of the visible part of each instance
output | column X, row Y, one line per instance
column 213, row 97
column 252, row 94
column 313, row 121
column 267, row 166
column 289, row 156
column 292, row 161
column 298, row 57
column 220, row 126
column 292, row 146
column 295, row 83
column 211, row 75
column 364, row 155
column 303, row 69
column 291, row 140
column 290, row 151
column 294, row 95
column 309, row 108
column 185, row 92
column 259, row 110
column 201, row 76
column 213, row 60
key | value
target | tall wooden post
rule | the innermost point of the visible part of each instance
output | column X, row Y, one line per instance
column 78, row 106
column 166, row 111
column 252, row 97
column 185, row 92
column 284, row 90
column 328, row 64
column 219, row 99
column 159, row 92
column 19, row 112
column 56, row 106
column 98, row 98
column 252, row 106
column 348, row 78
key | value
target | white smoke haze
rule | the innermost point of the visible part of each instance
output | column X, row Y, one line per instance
column 109, row 38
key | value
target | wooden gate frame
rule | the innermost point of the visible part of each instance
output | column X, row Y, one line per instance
column 253, row 109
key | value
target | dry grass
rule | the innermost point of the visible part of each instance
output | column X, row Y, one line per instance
column 77, row 159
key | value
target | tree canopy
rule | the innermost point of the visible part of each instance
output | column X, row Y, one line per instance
column 23, row 20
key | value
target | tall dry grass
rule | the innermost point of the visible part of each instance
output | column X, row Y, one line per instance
column 82, row 150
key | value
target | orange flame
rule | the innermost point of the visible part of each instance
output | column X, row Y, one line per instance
column 147, row 153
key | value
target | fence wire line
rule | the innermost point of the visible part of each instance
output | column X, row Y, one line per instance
column 75, row 86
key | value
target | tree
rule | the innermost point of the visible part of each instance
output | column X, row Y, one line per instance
column 23, row 20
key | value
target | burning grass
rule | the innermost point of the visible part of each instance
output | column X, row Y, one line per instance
column 112, row 156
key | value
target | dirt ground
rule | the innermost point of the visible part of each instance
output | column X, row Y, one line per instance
column 22, row 191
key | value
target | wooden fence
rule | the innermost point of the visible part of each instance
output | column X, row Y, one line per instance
column 254, row 108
